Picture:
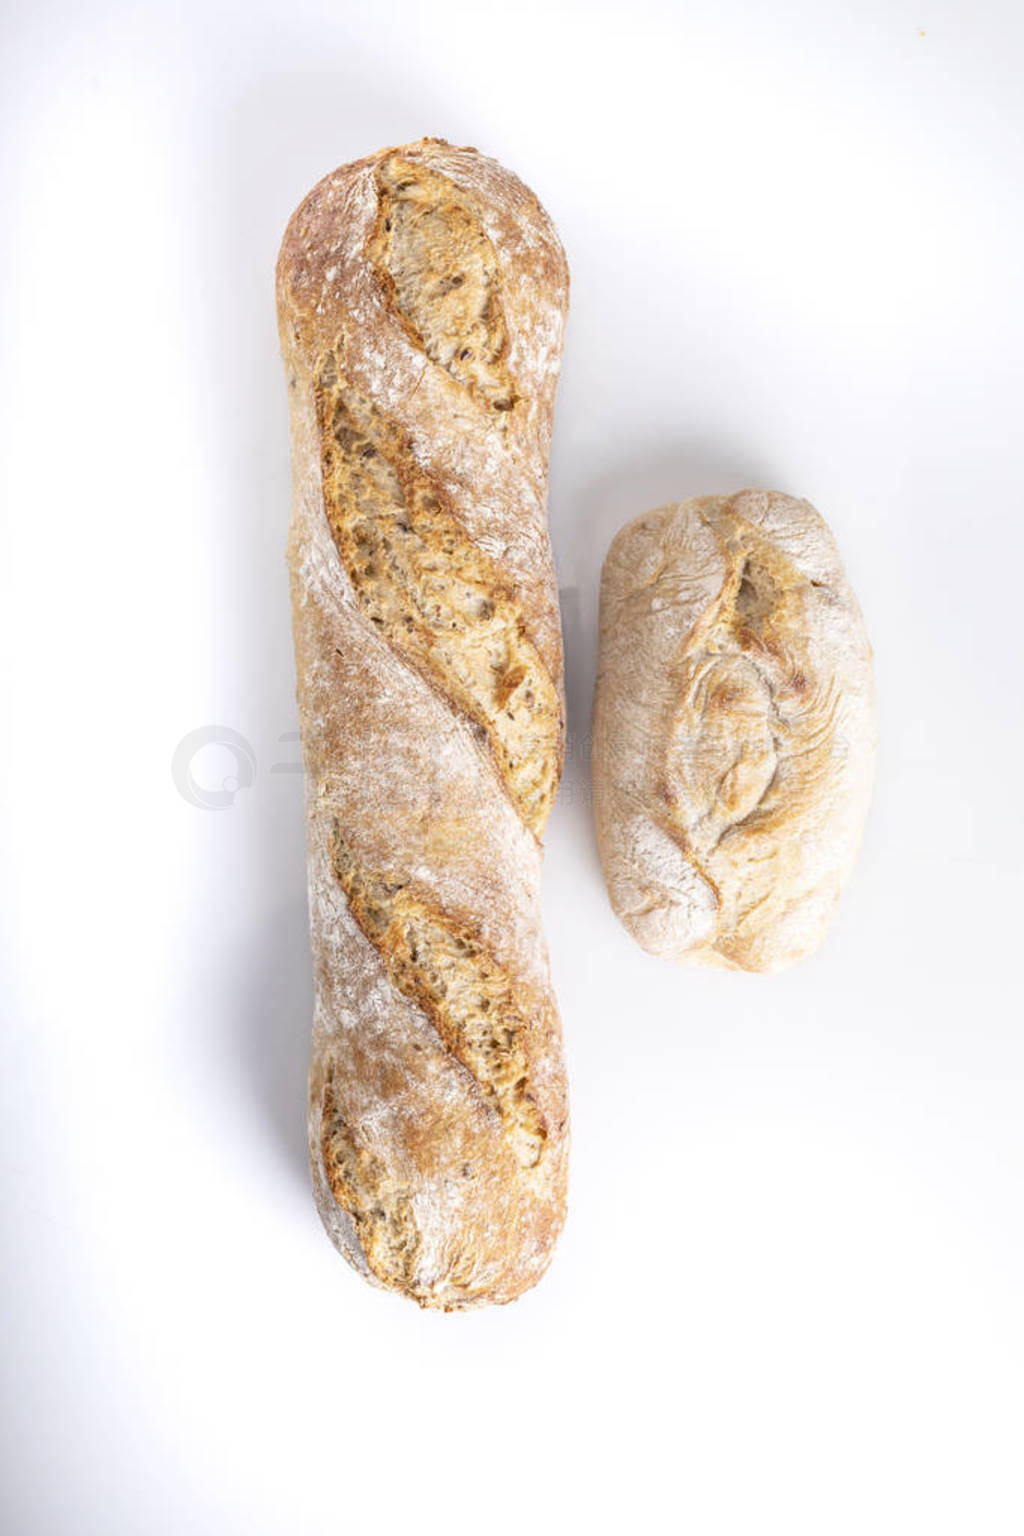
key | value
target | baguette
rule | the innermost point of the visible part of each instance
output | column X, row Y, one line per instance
column 734, row 730
column 422, row 295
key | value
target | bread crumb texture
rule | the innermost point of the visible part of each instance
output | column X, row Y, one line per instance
column 751, row 739
column 759, row 735
column 380, row 1207
column 441, row 964
column 441, row 270
column 435, row 595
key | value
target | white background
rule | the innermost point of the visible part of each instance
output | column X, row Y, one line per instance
column 789, row 1295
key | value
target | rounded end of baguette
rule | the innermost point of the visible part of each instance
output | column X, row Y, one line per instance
column 479, row 1231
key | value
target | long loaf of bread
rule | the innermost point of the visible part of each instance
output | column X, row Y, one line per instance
column 422, row 295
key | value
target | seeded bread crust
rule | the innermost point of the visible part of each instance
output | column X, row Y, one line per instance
column 734, row 730
column 422, row 295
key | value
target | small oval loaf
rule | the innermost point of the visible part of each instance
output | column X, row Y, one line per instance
column 422, row 295
column 734, row 730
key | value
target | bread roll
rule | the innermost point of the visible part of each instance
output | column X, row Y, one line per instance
column 734, row 730
column 422, row 295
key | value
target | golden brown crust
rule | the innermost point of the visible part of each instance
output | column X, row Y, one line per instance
column 430, row 690
column 435, row 595
column 441, row 273
column 483, row 1017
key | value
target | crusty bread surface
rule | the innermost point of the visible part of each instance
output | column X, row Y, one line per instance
column 734, row 730
column 422, row 295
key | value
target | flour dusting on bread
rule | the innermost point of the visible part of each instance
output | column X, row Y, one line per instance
column 421, row 297
column 733, row 729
